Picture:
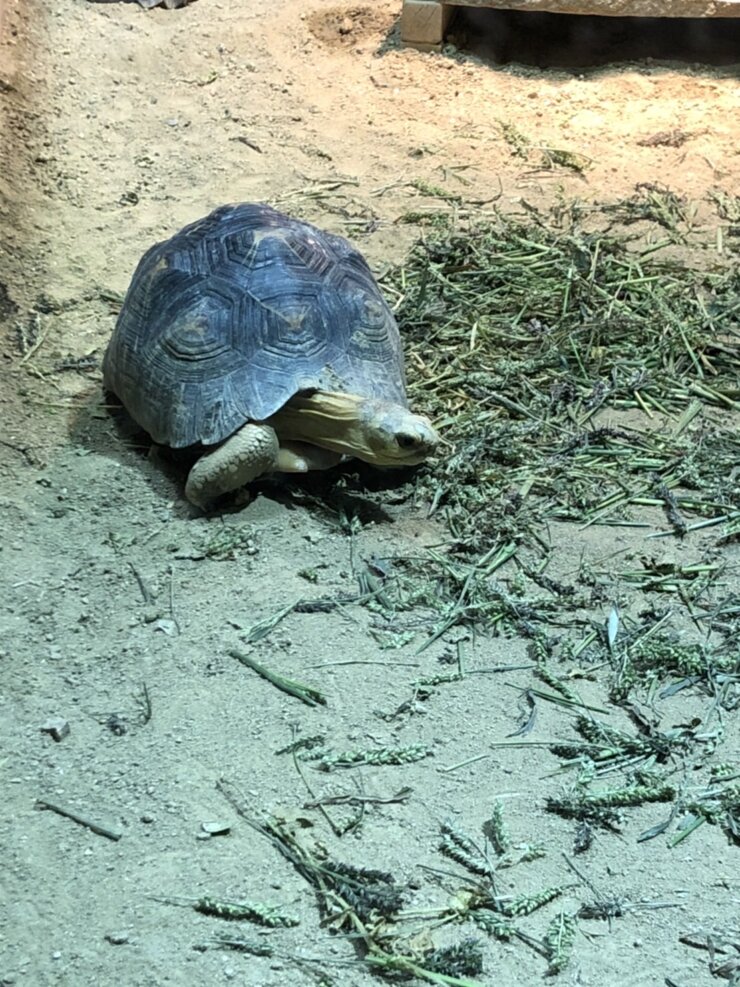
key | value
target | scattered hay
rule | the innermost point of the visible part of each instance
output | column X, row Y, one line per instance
column 522, row 337
column 577, row 379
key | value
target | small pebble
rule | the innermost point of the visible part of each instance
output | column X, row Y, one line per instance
column 117, row 938
column 166, row 625
column 146, row 817
column 219, row 828
column 56, row 727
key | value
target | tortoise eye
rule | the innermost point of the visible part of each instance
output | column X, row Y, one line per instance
column 406, row 441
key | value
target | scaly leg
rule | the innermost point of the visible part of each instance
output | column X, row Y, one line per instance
column 244, row 456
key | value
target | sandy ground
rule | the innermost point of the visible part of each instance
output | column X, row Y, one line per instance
column 119, row 126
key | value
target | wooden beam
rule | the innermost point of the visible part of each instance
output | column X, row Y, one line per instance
column 424, row 23
column 607, row 8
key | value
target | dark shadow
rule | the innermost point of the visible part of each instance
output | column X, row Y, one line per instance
column 101, row 425
column 352, row 489
column 328, row 497
column 544, row 40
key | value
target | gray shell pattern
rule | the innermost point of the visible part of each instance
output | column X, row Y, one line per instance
column 239, row 311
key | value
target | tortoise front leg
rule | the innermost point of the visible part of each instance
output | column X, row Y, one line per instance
column 244, row 456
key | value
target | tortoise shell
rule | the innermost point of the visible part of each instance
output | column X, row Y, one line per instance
column 238, row 312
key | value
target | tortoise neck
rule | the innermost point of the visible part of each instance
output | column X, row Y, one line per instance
column 330, row 419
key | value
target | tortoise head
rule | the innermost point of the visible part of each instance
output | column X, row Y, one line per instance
column 381, row 433
column 390, row 435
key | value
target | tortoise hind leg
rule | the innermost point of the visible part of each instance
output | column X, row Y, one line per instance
column 300, row 457
column 244, row 456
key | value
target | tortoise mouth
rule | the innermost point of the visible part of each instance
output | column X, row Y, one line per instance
column 378, row 432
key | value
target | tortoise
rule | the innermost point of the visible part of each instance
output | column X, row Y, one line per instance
column 265, row 342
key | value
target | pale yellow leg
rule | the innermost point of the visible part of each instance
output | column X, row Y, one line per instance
column 300, row 457
column 244, row 456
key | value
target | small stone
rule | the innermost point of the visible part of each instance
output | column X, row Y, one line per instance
column 117, row 938
column 346, row 26
column 202, row 836
column 218, row 828
column 167, row 626
column 57, row 727
column 147, row 817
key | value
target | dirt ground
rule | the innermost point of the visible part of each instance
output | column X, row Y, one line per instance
column 118, row 126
